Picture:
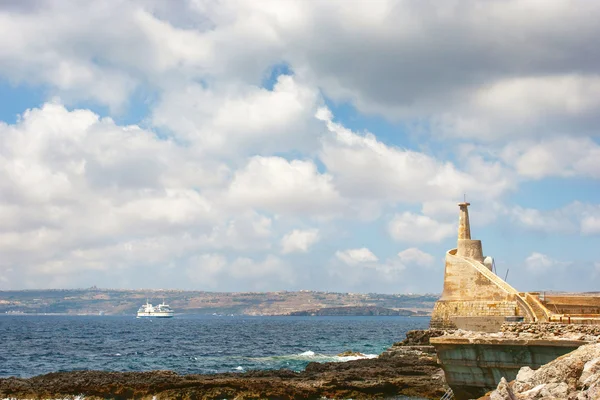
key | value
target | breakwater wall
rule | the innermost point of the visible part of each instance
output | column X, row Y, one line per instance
column 475, row 362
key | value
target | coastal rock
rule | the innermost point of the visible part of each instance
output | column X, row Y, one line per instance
column 589, row 333
column 350, row 353
column 574, row 376
column 534, row 331
column 503, row 392
column 420, row 337
column 591, row 369
column 400, row 370
column 525, row 375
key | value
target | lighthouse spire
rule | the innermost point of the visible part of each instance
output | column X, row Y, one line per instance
column 464, row 227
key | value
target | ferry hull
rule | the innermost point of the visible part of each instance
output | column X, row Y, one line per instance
column 154, row 315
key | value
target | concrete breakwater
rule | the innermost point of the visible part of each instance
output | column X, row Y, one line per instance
column 474, row 363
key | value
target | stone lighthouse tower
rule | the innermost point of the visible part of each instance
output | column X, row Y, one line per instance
column 467, row 247
column 474, row 298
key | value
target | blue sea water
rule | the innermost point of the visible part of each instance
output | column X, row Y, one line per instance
column 33, row 345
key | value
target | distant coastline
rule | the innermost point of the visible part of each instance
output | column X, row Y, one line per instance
column 95, row 301
column 357, row 311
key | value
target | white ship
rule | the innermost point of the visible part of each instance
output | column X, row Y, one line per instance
column 159, row 311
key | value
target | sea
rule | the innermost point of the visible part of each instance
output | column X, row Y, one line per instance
column 189, row 344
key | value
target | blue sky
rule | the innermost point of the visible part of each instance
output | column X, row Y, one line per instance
column 285, row 145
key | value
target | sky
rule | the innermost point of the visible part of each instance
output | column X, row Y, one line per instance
column 267, row 145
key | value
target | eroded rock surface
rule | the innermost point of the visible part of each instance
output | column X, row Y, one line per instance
column 401, row 370
column 420, row 337
column 574, row 376
column 551, row 332
column 590, row 333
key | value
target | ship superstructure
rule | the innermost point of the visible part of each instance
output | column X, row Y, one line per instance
column 159, row 311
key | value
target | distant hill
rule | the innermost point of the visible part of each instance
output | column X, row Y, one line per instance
column 354, row 311
column 95, row 301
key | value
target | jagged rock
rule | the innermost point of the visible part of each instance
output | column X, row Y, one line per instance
column 533, row 392
column 522, row 382
column 503, row 392
column 574, row 376
column 589, row 333
column 590, row 370
column 420, row 337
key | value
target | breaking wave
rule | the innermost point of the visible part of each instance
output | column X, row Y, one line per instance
column 311, row 356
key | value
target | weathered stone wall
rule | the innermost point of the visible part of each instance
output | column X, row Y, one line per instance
column 479, row 323
column 472, row 314
column 572, row 304
column 471, row 300
column 470, row 248
column 465, row 283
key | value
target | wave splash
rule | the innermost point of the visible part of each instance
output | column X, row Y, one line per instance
column 316, row 357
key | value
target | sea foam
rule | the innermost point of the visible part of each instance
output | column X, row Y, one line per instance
column 310, row 355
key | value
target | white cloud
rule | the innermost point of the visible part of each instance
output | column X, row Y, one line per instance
column 58, row 44
column 440, row 208
column 469, row 78
column 518, row 107
column 245, row 231
column 539, row 263
column 244, row 164
column 575, row 217
column 561, row 156
column 282, row 186
column 416, row 256
column 409, row 227
column 361, row 269
column 465, row 77
column 543, row 221
column 242, row 273
column 365, row 168
column 82, row 194
column 356, row 256
column 239, row 119
column 299, row 240
column 590, row 224
column 542, row 272
column 206, row 264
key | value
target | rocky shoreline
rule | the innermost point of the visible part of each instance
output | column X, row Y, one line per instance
column 408, row 368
